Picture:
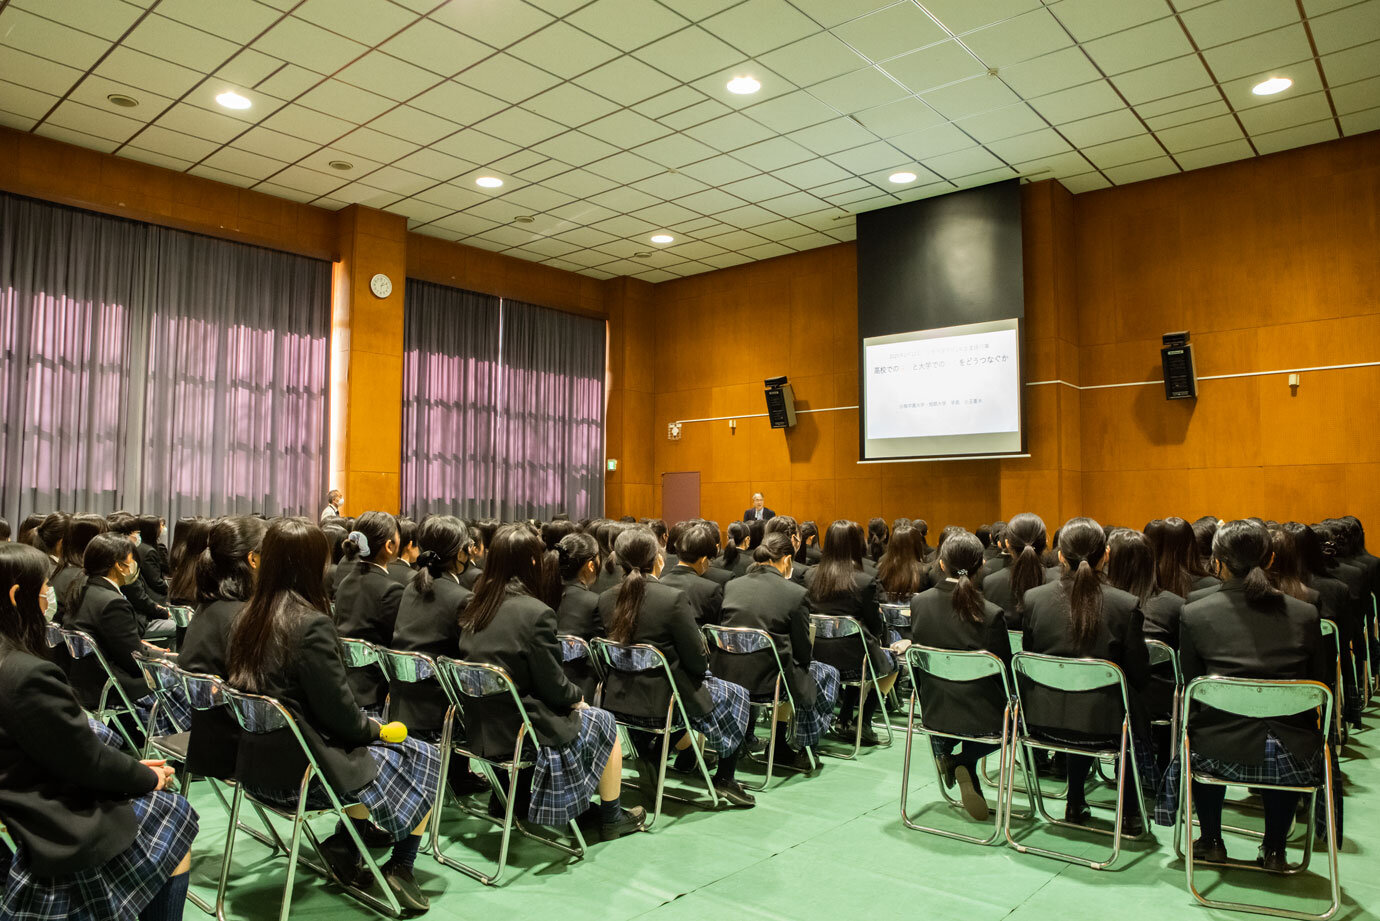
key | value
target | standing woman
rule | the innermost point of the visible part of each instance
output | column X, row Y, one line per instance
column 1080, row 616
column 577, row 564
column 283, row 645
column 766, row 599
column 366, row 603
column 1025, row 542
column 839, row 586
column 99, row 835
column 578, row 751
column 954, row 615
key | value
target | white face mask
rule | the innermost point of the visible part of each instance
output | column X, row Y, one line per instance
column 138, row 538
column 128, row 578
column 50, row 603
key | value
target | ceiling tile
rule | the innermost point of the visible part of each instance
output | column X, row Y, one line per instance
column 520, row 127
column 322, row 158
column 938, row 65
column 494, row 22
column 308, row 180
column 1050, row 73
column 174, row 143
column 710, row 201
column 54, row 41
column 93, row 91
column 665, row 214
column 244, row 163
column 269, row 143
column 248, row 68
column 1269, row 49
column 579, row 183
column 930, row 142
column 1035, row 145
column 413, row 125
column 1068, row 163
column 688, row 117
column 862, row 89
column 1168, row 78
column 1187, row 116
column 1353, row 64
column 757, row 26
column 979, row 94
column 305, row 123
column 78, row 138
column 458, row 103
column 624, row 167
column 540, row 172
column 434, row 164
column 831, row 137
column 1089, row 19
column 1361, row 122
column 757, row 188
column 1217, row 130
column 1078, row 102
column 715, row 85
column 564, row 50
column 892, row 31
column 729, row 132
column 41, row 74
column 964, row 15
column 963, row 163
column 625, row 129
column 107, row 19
column 830, row 13
column 811, row 173
column 440, row 50
column 689, row 54
column 475, row 146
column 466, row 224
column 570, row 105
column 1145, row 169
column 812, row 59
column 1126, row 150
column 1005, row 122
column 93, row 121
column 365, row 21
column 874, row 156
column 1087, row 182
column 1111, row 126
column 172, row 41
column 627, row 24
column 576, row 148
column 198, row 122
column 237, row 20
column 1304, row 74
column 900, row 117
column 675, row 151
column 309, row 46
column 670, row 185
column 1229, row 20
column 1286, row 113
column 376, row 145
column 451, row 196
column 1140, row 46
column 346, row 102
column 173, row 163
column 626, row 226
column 793, row 205
column 1181, row 101
column 507, row 78
column 1211, row 156
column 1357, row 97
column 400, row 181
column 580, row 213
column 388, row 76
column 773, row 154
column 626, row 80
column 125, row 65
column 536, row 199
column 290, row 82
column 790, row 112
column 1028, row 36
column 1346, row 28
column 587, row 236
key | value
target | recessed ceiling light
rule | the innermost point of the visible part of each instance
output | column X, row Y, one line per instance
column 233, row 100
column 663, row 238
column 743, row 85
column 123, row 101
column 341, row 165
column 1271, row 86
column 489, row 182
column 901, row 178
column 524, row 219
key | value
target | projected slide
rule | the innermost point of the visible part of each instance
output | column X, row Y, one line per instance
column 936, row 392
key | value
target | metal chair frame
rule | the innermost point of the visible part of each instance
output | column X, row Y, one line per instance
column 677, row 718
column 762, row 640
column 281, row 719
column 79, row 640
column 1087, row 675
column 452, row 674
column 982, row 664
column 842, row 627
column 1334, row 639
column 1235, row 695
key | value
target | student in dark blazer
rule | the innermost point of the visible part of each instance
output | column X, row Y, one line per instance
column 758, row 511
column 152, row 558
column 284, row 645
column 152, row 618
column 339, row 567
column 785, row 524
column 716, row 571
column 1025, row 543
column 900, row 572
column 508, row 625
column 576, row 564
column 68, row 574
column 1336, row 603
column 1249, row 629
column 642, row 609
column 736, row 558
column 401, row 567
column 1178, row 567
column 954, row 615
column 189, row 542
column 808, row 552
column 481, row 535
column 225, row 580
column 1079, row 616
column 96, row 830
column 366, row 604
column 1131, row 568
column 696, row 545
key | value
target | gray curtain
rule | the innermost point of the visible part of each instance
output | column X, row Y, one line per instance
column 503, row 412
column 155, row 370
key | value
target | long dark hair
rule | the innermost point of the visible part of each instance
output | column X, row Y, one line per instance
column 514, row 553
column 1286, row 570
column 737, row 533
column 189, row 542
column 1027, row 537
column 900, row 570
column 1082, row 542
column 27, row 527
column 572, row 553
column 808, row 531
column 1243, row 549
column 877, row 536
column 1176, row 552
column 1313, row 561
column 149, row 528
column 608, row 535
column 636, row 549
column 1131, row 566
column 553, row 532
column 1203, row 530
column 442, row 538
column 838, row 564
column 292, row 562
column 22, row 625
column 923, row 527
column 961, row 556
column 378, row 529
column 223, row 572
column 80, row 530
column 51, row 530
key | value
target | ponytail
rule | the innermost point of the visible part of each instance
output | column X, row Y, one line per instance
column 967, row 598
column 1259, row 590
column 1244, row 547
column 960, row 554
column 1085, row 606
column 549, row 578
column 1026, row 534
column 430, row 567
column 636, row 550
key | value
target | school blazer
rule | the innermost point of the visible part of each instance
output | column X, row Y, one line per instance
column 860, row 602
column 366, row 608
column 706, row 596
column 430, row 626
column 665, row 620
column 578, row 613
column 606, row 579
column 310, row 683
column 215, row 738
column 1162, row 614
column 151, row 573
column 762, row 599
column 994, row 560
column 717, row 574
column 1120, row 640
column 521, row 639
column 62, row 582
column 1223, row 634
column 144, row 607
column 401, row 572
column 105, row 614
column 960, row 707
column 470, row 575
column 338, row 571
column 996, row 588
column 64, row 795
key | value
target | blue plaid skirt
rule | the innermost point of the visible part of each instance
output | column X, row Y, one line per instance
column 728, row 721
column 566, row 779
column 120, row 888
column 1279, row 766
column 811, row 722
column 109, row 737
column 399, row 797
column 175, row 715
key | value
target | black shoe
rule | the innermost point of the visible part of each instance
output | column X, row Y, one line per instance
column 343, row 860
column 685, row 762
column 869, row 736
column 947, row 767
column 788, row 757
column 974, row 803
column 1210, row 850
column 1273, row 861
column 373, row 836
column 468, row 785
column 632, row 820
column 1077, row 814
column 757, row 745
column 734, row 793
column 405, row 888
column 1132, row 826
column 496, row 810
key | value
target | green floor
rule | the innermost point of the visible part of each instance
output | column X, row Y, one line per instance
column 830, row 846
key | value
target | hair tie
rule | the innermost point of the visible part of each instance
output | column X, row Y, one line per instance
column 562, row 556
column 360, row 541
column 431, row 561
column 962, row 572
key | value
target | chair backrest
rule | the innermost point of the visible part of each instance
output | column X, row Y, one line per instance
column 204, row 692
column 738, row 640
column 896, row 614
column 358, row 653
column 1162, row 653
column 1260, row 698
column 573, row 647
column 181, row 614
column 80, row 644
column 486, row 698
column 1017, row 640
column 642, row 675
column 746, row 656
column 55, row 635
column 834, row 627
column 258, row 714
column 953, row 665
column 1070, row 675
column 405, row 667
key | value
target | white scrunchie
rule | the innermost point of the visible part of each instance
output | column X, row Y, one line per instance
column 361, row 542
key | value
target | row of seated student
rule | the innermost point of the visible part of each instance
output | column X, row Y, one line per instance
column 263, row 622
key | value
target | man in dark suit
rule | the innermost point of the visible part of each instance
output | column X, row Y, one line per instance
column 759, row 510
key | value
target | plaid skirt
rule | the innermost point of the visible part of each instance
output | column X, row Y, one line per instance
column 566, row 779
column 109, row 737
column 399, row 797
column 175, row 715
column 729, row 720
column 811, row 722
column 120, row 888
column 1280, row 766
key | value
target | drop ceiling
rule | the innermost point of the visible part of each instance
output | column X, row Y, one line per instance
column 609, row 121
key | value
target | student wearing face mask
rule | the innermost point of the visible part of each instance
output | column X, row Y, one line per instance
column 366, row 604
column 576, row 561
column 696, row 546
column 401, row 569
column 153, row 619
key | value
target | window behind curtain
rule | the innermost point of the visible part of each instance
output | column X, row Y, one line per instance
column 503, row 407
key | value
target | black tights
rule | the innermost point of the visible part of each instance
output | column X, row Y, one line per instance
column 1279, row 813
column 1078, row 767
column 168, row 902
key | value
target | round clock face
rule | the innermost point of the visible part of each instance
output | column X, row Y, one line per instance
column 381, row 285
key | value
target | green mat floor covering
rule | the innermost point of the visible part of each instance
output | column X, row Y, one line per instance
column 830, row 846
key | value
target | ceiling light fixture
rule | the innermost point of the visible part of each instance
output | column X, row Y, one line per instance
column 233, row 100
column 341, row 165
column 663, row 238
column 488, row 182
column 901, row 178
column 642, row 255
column 1271, row 86
column 121, row 100
column 524, row 219
column 743, row 85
